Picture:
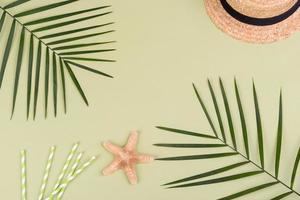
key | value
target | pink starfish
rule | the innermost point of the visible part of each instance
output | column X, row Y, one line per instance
column 126, row 158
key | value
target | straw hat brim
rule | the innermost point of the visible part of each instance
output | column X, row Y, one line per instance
column 251, row 33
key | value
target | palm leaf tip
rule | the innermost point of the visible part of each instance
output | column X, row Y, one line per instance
column 15, row 3
column 196, row 157
column 281, row 196
column 62, row 73
column 37, row 78
column 54, row 26
column 7, row 51
column 192, row 145
column 88, row 59
column 54, row 83
column 279, row 137
column 46, row 82
column 44, row 8
column 242, row 119
column 29, row 73
column 295, row 168
column 205, row 110
column 209, row 173
column 57, row 17
column 81, row 45
column 213, row 96
column 18, row 69
column 221, row 180
column 89, row 69
column 2, row 20
column 184, row 132
column 259, row 127
column 228, row 113
column 76, row 83
column 249, row 191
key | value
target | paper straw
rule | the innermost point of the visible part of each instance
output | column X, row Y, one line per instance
column 76, row 163
column 66, row 165
column 46, row 174
column 72, row 171
column 73, row 176
column 23, row 175
column 83, row 167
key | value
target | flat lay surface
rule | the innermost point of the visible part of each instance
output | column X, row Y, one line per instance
column 163, row 47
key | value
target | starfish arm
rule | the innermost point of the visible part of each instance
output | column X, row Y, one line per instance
column 114, row 166
column 143, row 158
column 132, row 141
column 131, row 174
column 114, row 149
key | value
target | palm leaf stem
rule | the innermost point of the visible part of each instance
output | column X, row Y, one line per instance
column 259, row 129
column 33, row 35
column 16, row 19
column 274, row 177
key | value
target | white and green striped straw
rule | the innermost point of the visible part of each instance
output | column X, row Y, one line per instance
column 76, row 163
column 71, row 173
column 71, row 177
column 66, row 165
column 46, row 173
column 23, row 175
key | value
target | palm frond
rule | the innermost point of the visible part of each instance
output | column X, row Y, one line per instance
column 219, row 140
column 48, row 44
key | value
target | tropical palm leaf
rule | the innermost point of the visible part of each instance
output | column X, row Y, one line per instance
column 56, row 51
column 236, row 149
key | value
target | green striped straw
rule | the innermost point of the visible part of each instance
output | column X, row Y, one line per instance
column 64, row 170
column 71, row 177
column 66, row 165
column 23, row 175
column 46, row 173
column 76, row 163
column 72, row 171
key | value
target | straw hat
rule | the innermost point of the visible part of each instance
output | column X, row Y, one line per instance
column 257, row 21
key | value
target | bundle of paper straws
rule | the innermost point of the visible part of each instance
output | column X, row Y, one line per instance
column 71, row 169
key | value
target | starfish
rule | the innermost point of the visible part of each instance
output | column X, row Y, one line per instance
column 126, row 158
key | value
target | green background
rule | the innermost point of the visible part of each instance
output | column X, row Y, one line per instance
column 163, row 46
